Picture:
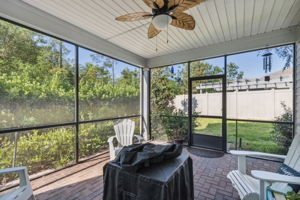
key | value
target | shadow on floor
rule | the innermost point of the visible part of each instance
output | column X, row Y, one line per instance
column 88, row 189
column 205, row 153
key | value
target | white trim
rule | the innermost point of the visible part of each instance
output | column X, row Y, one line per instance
column 278, row 37
column 146, row 111
column 20, row 12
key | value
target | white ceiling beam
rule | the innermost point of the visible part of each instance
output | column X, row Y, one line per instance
column 27, row 15
column 278, row 37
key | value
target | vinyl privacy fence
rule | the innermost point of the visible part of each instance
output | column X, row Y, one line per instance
column 258, row 105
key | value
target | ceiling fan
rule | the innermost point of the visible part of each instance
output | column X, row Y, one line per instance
column 164, row 12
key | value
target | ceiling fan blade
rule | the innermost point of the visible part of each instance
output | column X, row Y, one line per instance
column 149, row 3
column 154, row 4
column 183, row 20
column 174, row 3
column 160, row 3
column 134, row 17
column 152, row 31
column 185, row 5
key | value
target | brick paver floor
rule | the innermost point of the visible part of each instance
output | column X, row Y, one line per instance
column 84, row 181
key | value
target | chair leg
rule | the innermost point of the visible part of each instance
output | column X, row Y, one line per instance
column 262, row 190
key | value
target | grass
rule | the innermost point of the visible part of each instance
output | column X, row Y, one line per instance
column 254, row 136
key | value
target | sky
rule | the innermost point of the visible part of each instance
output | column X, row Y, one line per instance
column 251, row 63
column 85, row 57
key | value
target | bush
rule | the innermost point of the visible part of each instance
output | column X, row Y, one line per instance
column 282, row 133
column 176, row 127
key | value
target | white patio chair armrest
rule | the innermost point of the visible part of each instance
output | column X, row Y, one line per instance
column 140, row 138
column 12, row 170
column 275, row 177
column 112, row 147
column 242, row 157
column 253, row 153
column 24, row 178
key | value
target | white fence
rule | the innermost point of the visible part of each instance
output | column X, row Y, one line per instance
column 258, row 105
column 257, row 84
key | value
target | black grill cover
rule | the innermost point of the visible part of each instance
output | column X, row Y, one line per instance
column 149, row 172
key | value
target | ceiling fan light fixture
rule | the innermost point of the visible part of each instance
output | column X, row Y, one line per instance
column 162, row 21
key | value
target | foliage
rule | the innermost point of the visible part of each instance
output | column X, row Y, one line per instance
column 163, row 91
column 286, row 53
column 293, row 196
column 16, row 44
column 37, row 75
column 233, row 72
column 34, row 67
column 164, row 88
column 201, row 68
column 93, row 137
column 176, row 127
column 38, row 149
column 282, row 133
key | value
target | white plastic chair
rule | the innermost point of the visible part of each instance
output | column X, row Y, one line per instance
column 250, row 188
column 124, row 130
column 24, row 191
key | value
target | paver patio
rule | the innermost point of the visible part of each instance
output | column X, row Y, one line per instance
column 84, row 181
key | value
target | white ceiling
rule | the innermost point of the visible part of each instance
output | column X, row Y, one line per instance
column 217, row 21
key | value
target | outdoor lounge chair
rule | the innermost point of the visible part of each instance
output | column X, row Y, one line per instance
column 250, row 188
column 124, row 130
column 24, row 191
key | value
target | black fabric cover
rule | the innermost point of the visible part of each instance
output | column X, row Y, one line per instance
column 286, row 170
column 166, row 179
column 133, row 157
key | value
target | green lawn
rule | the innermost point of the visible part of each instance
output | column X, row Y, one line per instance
column 255, row 136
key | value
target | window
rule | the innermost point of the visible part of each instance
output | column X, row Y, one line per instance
column 207, row 67
column 36, row 78
column 93, row 136
column 257, row 93
column 169, row 105
column 107, row 88
column 38, row 126
column 261, row 93
column 259, row 99
column 38, row 149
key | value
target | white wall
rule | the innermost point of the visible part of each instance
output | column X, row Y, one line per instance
column 259, row 105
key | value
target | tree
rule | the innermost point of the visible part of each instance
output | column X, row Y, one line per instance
column 129, row 77
column 16, row 44
column 285, row 53
column 199, row 68
column 163, row 91
column 233, row 72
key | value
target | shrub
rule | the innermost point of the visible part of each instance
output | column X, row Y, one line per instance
column 282, row 133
